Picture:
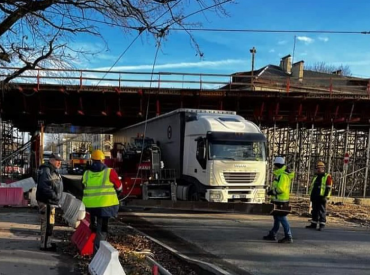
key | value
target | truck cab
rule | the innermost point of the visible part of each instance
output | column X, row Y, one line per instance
column 225, row 159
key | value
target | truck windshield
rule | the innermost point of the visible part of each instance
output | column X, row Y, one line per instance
column 237, row 150
column 78, row 155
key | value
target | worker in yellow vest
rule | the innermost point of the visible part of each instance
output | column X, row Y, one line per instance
column 280, row 193
column 102, row 187
column 320, row 191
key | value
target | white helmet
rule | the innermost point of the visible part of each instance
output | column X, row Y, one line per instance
column 279, row 160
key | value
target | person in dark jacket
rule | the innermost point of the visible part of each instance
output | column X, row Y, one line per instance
column 320, row 191
column 102, row 187
column 49, row 192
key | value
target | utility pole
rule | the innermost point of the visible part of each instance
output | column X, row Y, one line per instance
column 253, row 51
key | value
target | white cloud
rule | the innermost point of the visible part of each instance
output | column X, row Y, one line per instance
column 324, row 39
column 272, row 51
column 201, row 64
column 282, row 42
column 305, row 39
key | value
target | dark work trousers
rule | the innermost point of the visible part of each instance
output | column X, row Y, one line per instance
column 47, row 216
column 99, row 225
column 319, row 211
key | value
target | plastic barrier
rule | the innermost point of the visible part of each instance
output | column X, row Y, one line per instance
column 12, row 196
column 62, row 200
column 75, row 212
column 66, row 201
column 27, row 184
column 32, row 197
column 106, row 261
column 83, row 238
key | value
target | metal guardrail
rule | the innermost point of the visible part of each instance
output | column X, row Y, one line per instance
column 203, row 81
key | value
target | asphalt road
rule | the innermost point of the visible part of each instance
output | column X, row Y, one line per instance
column 236, row 243
column 19, row 246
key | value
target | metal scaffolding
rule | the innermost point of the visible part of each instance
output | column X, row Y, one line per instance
column 305, row 145
column 15, row 152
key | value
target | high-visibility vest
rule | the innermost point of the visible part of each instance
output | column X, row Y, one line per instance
column 323, row 185
column 98, row 191
column 281, row 185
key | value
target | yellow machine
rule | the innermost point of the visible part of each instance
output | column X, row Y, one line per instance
column 78, row 162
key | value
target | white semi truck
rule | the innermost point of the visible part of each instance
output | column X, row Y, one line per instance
column 218, row 156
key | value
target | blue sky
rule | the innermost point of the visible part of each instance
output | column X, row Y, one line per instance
column 226, row 53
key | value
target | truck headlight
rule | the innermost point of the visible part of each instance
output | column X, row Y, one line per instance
column 215, row 196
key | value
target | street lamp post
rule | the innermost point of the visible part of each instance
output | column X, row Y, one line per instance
column 253, row 51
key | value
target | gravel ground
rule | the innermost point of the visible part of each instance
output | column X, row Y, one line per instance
column 359, row 214
column 133, row 247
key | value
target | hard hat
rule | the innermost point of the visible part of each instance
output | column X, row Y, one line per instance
column 320, row 164
column 97, row 155
column 279, row 160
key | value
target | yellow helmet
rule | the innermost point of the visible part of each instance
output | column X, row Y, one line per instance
column 320, row 164
column 97, row 155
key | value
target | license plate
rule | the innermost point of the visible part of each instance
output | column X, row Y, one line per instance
column 239, row 196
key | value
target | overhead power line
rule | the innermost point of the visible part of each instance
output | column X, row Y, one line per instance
column 269, row 31
column 238, row 30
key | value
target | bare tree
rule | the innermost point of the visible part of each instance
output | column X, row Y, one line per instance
column 37, row 33
column 323, row 67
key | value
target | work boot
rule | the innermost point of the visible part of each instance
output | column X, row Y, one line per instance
column 286, row 240
column 270, row 237
column 53, row 247
column 311, row 226
column 321, row 227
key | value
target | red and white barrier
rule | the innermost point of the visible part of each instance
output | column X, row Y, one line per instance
column 83, row 238
column 11, row 196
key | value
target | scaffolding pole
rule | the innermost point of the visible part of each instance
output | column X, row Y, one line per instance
column 1, row 149
column 345, row 166
column 367, row 164
column 41, row 154
column 295, row 157
column 309, row 157
column 330, row 148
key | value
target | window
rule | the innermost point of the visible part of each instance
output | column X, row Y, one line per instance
column 201, row 152
column 228, row 119
column 237, row 150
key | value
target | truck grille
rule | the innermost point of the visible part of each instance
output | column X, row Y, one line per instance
column 239, row 177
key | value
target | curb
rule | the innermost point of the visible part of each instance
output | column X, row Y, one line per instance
column 153, row 262
column 206, row 266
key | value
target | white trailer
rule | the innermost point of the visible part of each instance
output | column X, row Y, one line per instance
column 218, row 156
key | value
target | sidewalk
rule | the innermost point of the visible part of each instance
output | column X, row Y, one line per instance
column 19, row 246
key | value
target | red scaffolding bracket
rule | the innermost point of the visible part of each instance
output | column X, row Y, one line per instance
column 65, row 106
column 80, row 111
column 38, row 82
column 80, row 80
column 158, row 108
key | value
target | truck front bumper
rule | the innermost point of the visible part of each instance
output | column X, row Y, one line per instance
column 243, row 195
